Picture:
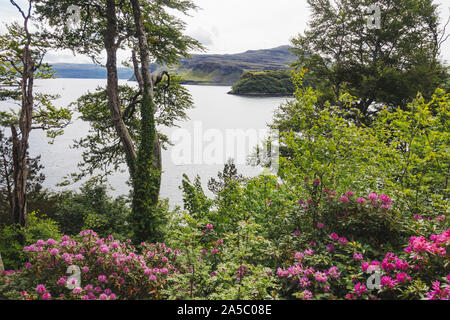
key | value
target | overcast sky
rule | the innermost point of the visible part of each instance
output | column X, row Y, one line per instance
column 231, row 26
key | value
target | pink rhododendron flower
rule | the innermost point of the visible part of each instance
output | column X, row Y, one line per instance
column 360, row 289
column 40, row 288
column 388, row 282
column 307, row 295
column 334, row 273
column 320, row 276
column 372, row 196
column 357, row 256
column 51, row 242
column 299, row 255
column 61, row 282
column 403, row 277
column 334, row 236
column 209, row 226
column 361, row 200
column 304, row 282
column 46, row 296
column 385, row 199
column 77, row 290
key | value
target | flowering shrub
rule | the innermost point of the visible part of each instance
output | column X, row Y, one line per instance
column 109, row 270
column 416, row 274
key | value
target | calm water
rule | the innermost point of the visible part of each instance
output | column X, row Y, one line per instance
column 215, row 115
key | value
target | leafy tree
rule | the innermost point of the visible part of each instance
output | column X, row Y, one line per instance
column 386, row 66
column 225, row 177
column 194, row 199
column 150, row 32
column 102, row 151
column 403, row 153
column 34, row 184
column 418, row 168
column 268, row 82
column 21, row 55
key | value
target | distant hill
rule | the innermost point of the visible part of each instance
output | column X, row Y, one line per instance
column 212, row 69
column 264, row 83
column 87, row 71
column 226, row 69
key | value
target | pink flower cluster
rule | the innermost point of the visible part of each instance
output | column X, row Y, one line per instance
column 438, row 293
column 342, row 240
column 436, row 245
column 106, row 265
column 308, row 277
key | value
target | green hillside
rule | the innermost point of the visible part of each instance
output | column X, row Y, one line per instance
column 226, row 69
column 264, row 83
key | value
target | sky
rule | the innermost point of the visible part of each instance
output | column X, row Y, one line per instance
column 230, row 26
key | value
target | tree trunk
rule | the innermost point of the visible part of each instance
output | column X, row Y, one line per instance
column 113, row 86
column 146, row 185
column 20, row 145
column 150, row 146
column 7, row 175
column 157, row 151
column 20, row 174
column 2, row 267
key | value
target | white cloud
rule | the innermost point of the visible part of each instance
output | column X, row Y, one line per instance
column 230, row 26
column 202, row 35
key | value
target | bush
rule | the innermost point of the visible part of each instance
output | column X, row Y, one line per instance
column 108, row 270
column 10, row 237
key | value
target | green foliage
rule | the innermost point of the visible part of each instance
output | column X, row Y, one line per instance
column 102, row 151
column 34, row 183
column 12, row 249
column 45, row 116
column 386, row 66
column 147, row 177
column 91, row 208
column 404, row 153
column 194, row 199
column 265, row 83
column 418, row 167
